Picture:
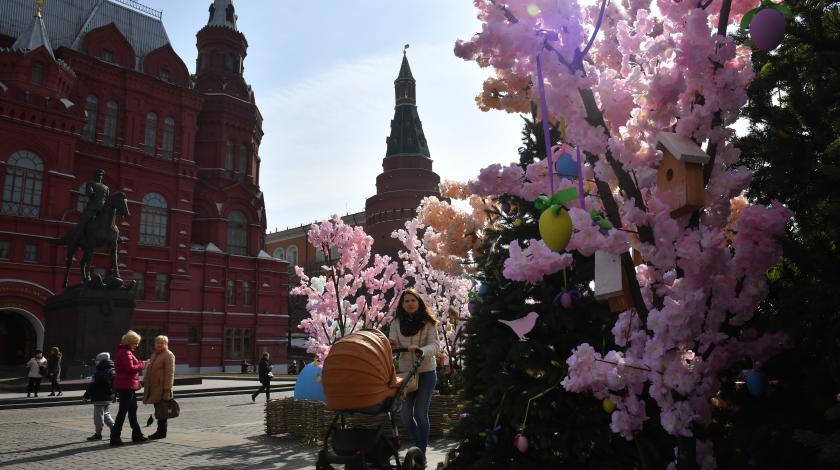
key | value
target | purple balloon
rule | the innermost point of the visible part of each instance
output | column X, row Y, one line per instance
column 767, row 29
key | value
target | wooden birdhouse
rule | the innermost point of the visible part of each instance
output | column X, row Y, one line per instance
column 610, row 282
column 680, row 174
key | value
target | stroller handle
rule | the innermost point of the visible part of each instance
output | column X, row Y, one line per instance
column 418, row 351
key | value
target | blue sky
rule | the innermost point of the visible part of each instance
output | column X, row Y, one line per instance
column 323, row 74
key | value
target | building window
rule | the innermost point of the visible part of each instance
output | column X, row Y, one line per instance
column 237, row 232
column 246, row 294
column 243, row 161
column 164, row 75
column 237, row 343
column 279, row 253
column 229, row 159
column 91, row 110
column 192, row 335
column 147, row 340
column 161, row 290
column 37, row 75
column 151, row 134
column 231, row 293
column 109, row 129
column 153, row 220
column 139, row 286
column 168, row 137
column 107, row 55
column 292, row 256
column 30, row 253
column 23, row 184
column 5, row 248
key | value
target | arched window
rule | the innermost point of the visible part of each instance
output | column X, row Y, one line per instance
column 153, row 218
column 243, row 161
column 237, row 232
column 168, row 137
column 23, row 184
column 292, row 256
column 37, row 76
column 109, row 129
column 81, row 199
column 229, row 159
column 91, row 109
column 151, row 134
column 280, row 253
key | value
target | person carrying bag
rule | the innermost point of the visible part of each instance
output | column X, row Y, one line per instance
column 158, row 383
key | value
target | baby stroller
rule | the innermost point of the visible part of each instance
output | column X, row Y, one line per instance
column 359, row 377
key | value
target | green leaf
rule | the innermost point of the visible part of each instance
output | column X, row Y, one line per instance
column 542, row 203
column 745, row 21
column 564, row 196
column 782, row 8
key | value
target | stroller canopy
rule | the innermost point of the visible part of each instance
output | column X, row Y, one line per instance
column 359, row 371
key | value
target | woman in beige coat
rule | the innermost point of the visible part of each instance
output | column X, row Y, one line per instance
column 159, row 379
column 415, row 328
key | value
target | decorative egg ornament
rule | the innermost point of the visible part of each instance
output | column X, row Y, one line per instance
column 521, row 443
column 556, row 229
column 484, row 289
column 756, row 383
column 566, row 166
column 767, row 29
column 472, row 307
column 608, row 405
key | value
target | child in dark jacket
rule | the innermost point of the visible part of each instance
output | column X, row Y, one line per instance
column 101, row 393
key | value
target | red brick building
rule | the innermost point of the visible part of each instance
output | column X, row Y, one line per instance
column 90, row 84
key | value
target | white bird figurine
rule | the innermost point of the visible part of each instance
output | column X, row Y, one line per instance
column 522, row 326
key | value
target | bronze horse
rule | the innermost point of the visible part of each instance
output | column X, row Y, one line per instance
column 100, row 231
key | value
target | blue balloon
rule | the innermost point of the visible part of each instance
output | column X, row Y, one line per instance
column 756, row 383
column 484, row 289
column 307, row 386
column 566, row 166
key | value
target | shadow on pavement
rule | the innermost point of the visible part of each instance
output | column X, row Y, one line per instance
column 41, row 456
column 262, row 452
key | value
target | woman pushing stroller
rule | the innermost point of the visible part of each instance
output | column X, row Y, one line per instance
column 415, row 327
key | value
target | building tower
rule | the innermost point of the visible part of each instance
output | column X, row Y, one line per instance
column 407, row 176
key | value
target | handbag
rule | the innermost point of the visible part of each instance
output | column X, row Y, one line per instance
column 42, row 370
column 167, row 409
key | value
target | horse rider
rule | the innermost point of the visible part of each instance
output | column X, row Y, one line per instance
column 97, row 192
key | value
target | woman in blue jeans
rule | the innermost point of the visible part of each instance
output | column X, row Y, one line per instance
column 415, row 327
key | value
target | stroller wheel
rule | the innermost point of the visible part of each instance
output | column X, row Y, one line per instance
column 414, row 459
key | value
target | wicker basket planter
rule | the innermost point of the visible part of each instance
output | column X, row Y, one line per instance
column 309, row 420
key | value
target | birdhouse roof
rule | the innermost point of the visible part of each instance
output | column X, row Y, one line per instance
column 682, row 148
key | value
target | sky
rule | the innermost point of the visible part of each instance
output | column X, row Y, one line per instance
column 323, row 76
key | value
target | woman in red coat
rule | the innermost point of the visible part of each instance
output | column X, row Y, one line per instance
column 126, row 384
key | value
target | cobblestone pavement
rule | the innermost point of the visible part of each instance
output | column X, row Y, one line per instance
column 212, row 432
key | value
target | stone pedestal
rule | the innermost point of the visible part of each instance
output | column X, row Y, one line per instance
column 85, row 322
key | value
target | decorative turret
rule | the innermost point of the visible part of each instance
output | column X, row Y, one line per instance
column 407, row 175
column 35, row 35
column 221, row 52
column 406, row 129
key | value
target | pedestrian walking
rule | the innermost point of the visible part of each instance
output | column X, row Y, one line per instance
column 126, row 384
column 414, row 327
column 159, row 379
column 100, row 391
column 54, row 370
column 265, row 375
column 37, row 370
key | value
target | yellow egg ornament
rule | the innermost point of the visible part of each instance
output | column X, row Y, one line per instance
column 608, row 405
column 555, row 224
column 556, row 229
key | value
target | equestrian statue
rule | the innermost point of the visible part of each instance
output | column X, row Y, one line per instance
column 97, row 227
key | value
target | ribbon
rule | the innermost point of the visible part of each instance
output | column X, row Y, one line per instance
column 555, row 203
column 580, row 179
column 546, row 133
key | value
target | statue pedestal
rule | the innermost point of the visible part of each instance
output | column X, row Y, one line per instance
column 85, row 322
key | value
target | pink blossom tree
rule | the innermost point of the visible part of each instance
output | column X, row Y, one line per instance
column 352, row 293
column 617, row 76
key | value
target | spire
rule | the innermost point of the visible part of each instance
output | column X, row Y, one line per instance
column 222, row 13
column 407, row 137
column 35, row 35
column 405, row 70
